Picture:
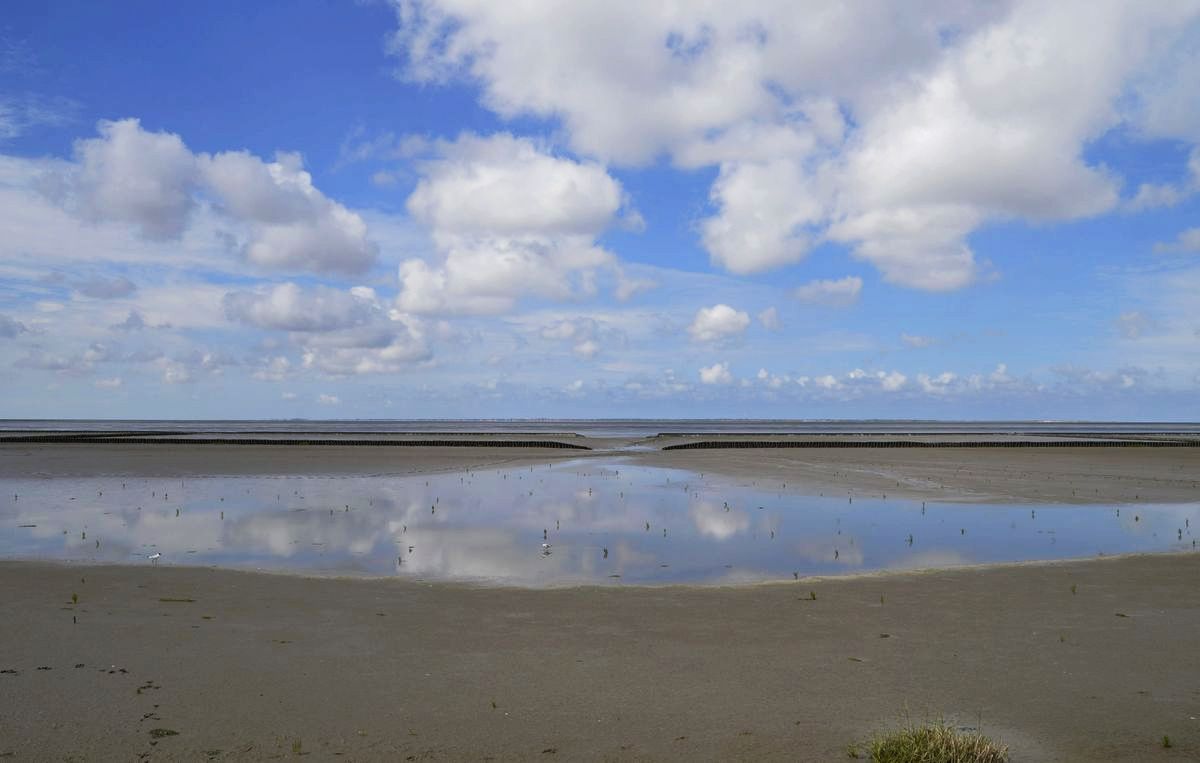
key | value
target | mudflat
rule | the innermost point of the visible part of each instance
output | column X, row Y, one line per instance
column 1091, row 660
column 1081, row 660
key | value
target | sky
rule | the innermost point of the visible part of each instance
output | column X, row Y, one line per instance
column 600, row 209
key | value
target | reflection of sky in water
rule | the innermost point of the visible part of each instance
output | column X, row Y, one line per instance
column 656, row 525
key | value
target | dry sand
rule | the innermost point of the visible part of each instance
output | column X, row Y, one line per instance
column 249, row 665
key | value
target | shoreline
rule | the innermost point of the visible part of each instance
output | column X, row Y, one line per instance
column 583, row 587
column 376, row 668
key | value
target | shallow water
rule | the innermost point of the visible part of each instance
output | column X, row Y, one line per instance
column 603, row 522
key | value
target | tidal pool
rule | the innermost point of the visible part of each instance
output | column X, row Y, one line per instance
column 587, row 521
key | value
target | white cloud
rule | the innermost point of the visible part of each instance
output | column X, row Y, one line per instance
column 99, row 287
column 895, row 130
column 174, row 372
column 917, row 341
column 774, row 381
column 717, row 373
column 1132, row 324
column 509, row 220
column 288, row 307
column 134, row 176
column 833, row 293
column 828, row 381
column 10, row 327
column 153, row 181
column 937, row 385
column 586, row 349
column 891, row 382
column 388, row 348
column 628, row 288
column 328, row 399
column 718, row 323
column 22, row 114
column 274, row 369
column 1186, row 241
column 110, row 383
column 292, row 225
column 762, row 211
column 769, row 319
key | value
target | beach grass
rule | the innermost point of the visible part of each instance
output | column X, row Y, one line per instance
column 933, row 742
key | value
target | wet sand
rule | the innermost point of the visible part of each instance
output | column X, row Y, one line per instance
column 1055, row 475
column 1050, row 475
column 250, row 665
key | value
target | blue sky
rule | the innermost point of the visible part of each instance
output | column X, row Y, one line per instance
column 452, row 208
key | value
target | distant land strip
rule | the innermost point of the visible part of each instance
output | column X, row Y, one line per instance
column 723, row 444
column 104, row 440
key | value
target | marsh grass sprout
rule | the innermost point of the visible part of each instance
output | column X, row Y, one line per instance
column 934, row 741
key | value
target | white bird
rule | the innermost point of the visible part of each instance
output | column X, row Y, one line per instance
column 154, row 557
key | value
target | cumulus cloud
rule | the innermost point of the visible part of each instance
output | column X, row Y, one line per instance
column 288, row 307
column 762, row 211
column 717, row 373
column 718, row 323
column 832, row 293
column 509, row 220
column 131, row 175
column 937, row 385
column 154, row 182
column 292, row 225
column 891, row 382
column 896, row 131
column 337, row 333
column 391, row 347
column 325, row 399
column 774, row 381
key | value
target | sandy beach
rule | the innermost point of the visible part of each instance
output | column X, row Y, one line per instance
column 250, row 666
column 1081, row 660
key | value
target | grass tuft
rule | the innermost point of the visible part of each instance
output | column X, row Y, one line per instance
column 931, row 743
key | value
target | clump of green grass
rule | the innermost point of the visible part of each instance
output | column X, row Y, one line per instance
column 934, row 742
column 1166, row 741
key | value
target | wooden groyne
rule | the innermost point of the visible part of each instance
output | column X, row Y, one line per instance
column 726, row 444
column 93, row 439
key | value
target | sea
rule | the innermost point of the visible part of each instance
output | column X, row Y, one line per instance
column 602, row 427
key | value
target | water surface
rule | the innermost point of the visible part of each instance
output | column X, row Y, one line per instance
column 601, row 520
